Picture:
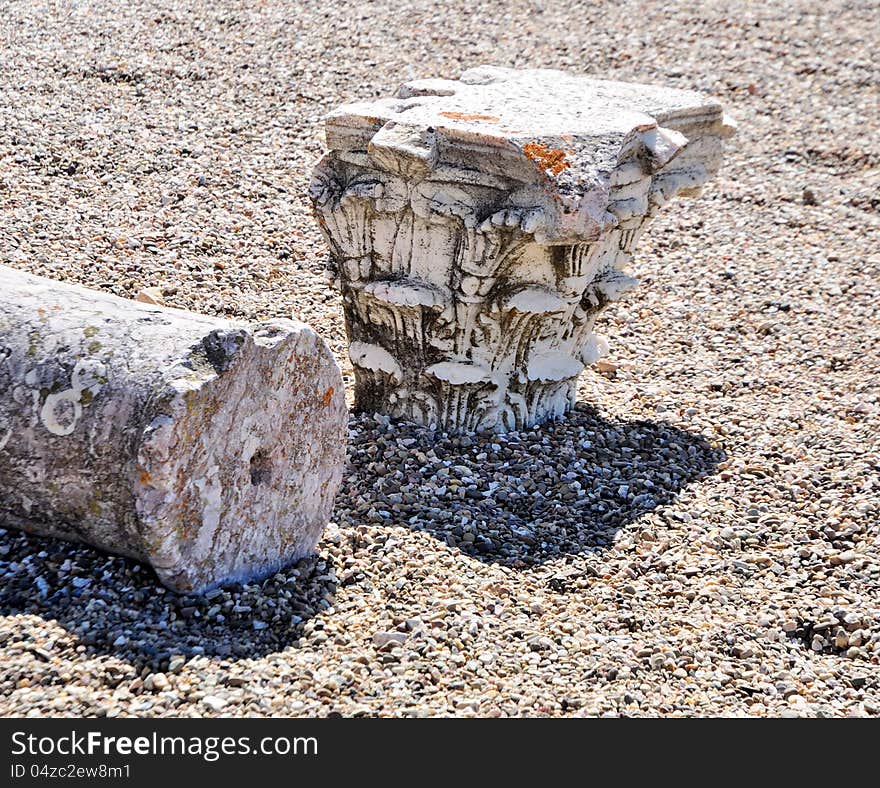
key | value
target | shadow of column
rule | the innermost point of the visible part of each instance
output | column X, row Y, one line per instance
column 115, row 606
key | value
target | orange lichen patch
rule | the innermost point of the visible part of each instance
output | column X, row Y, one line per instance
column 465, row 116
column 328, row 395
column 548, row 159
column 146, row 478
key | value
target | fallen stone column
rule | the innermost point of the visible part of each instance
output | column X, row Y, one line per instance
column 211, row 450
column 478, row 227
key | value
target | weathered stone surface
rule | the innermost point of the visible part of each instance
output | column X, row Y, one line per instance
column 210, row 449
column 478, row 227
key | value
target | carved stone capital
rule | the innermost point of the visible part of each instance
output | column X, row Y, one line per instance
column 478, row 227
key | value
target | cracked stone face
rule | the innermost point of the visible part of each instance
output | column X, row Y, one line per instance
column 478, row 226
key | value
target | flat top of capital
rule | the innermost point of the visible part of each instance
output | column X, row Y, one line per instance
column 569, row 127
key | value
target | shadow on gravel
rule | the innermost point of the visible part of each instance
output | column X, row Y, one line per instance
column 524, row 498
column 518, row 499
column 113, row 605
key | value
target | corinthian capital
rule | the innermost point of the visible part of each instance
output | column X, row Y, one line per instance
column 479, row 225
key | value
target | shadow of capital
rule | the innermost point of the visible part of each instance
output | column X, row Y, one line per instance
column 519, row 499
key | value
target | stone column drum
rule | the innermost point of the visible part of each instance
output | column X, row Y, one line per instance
column 478, row 227
column 208, row 448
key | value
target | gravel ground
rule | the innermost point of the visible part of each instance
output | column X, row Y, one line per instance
column 698, row 538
